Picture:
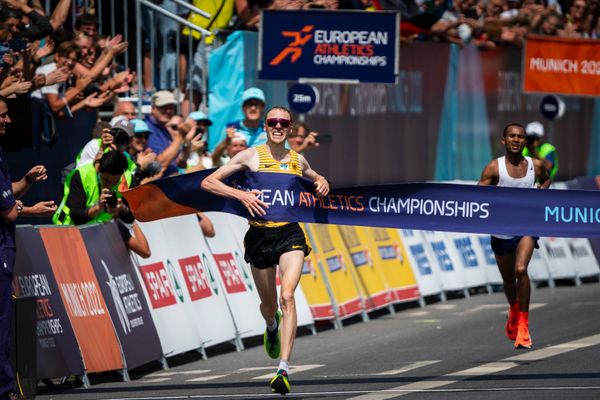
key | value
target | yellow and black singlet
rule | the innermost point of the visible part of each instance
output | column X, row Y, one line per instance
column 266, row 163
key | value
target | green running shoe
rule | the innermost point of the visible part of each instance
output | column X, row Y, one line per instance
column 280, row 383
column 271, row 339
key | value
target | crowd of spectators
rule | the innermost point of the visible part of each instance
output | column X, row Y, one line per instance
column 485, row 23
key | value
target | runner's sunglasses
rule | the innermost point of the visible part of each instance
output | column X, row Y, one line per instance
column 272, row 122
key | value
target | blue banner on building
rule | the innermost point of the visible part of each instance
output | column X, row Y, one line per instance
column 332, row 45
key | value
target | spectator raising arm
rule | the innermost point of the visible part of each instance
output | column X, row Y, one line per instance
column 35, row 174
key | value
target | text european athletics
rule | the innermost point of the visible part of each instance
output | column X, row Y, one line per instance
column 351, row 37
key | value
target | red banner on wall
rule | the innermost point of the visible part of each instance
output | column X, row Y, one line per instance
column 561, row 65
column 81, row 294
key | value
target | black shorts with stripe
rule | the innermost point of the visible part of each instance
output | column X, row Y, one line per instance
column 503, row 247
column 264, row 246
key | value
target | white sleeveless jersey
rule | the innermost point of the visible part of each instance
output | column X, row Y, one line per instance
column 504, row 179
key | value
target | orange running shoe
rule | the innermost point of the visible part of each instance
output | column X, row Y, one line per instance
column 523, row 340
column 511, row 325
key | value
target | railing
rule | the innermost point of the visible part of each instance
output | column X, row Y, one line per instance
column 180, row 21
column 139, row 48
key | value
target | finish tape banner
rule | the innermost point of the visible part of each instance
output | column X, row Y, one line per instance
column 423, row 206
column 560, row 65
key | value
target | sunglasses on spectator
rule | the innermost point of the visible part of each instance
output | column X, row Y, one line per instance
column 272, row 122
column 142, row 135
column 172, row 126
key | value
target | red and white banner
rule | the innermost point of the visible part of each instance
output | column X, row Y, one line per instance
column 561, row 66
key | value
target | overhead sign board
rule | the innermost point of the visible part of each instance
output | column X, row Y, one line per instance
column 567, row 66
column 329, row 45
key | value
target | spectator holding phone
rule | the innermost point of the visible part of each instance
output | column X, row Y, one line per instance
column 198, row 159
column 92, row 195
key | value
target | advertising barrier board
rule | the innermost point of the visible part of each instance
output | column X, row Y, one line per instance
column 123, row 293
column 164, row 290
column 57, row 351
column 82, row 297
column 422, row 263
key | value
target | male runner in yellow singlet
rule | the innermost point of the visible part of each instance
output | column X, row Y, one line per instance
column 513, row 253
column 270, row 243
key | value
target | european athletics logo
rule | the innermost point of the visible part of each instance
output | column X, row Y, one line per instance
column 294, row 49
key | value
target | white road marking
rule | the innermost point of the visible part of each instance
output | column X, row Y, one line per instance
column 171, row 373
column 293, row 370
column 489, row 368
column 205, row 378
column 255, row 368
column 417, row 313
column 484, row 369
column 155, row 380
column 411, row 366
column 442, row 306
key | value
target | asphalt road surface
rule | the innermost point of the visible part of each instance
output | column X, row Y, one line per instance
column 445, row 350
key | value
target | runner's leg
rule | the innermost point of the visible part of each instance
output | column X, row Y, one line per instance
column 290, row 265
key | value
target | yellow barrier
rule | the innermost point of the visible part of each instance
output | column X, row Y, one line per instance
column 389, row 256
column 369, row 275
column 314, row 287
column 335, row 265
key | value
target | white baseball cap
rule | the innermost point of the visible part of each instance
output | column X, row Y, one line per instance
column 534, row 128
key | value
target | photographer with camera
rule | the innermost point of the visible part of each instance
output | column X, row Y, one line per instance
column 91, row 192
column 117, row 138
column 197, row 157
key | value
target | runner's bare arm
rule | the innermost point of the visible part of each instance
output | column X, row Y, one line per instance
column 489, row 176
column 322, row 185
column 541, row 174
column 213, row 183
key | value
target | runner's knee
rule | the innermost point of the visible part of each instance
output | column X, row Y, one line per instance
column 287, row 299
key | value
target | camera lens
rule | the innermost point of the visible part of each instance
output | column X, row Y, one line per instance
column 121, row 137
column 112, row 201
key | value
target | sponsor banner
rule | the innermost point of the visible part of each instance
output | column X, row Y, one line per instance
column 314, row 287
column 389, row 255
column 370, row 280
column 165, row 292
column 427, row 206
column 483, row 249
column 337, row 268
column 57, row 351
column 422, row 262
column 123, row 294
column 198, row 270
column 446, row 261
column 82, row 297
column 235, row 277
column 561, row 66
column 584, row 261
column 472, row 266
column 538, row 266
column 326, row 44
column 558, row 255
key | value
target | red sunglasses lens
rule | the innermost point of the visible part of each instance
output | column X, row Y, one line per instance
column 272, row 122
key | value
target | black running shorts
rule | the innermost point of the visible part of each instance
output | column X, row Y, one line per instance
column 264, row 246
column 504, row 247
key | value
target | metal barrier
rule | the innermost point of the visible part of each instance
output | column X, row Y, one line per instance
column 139, row 50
